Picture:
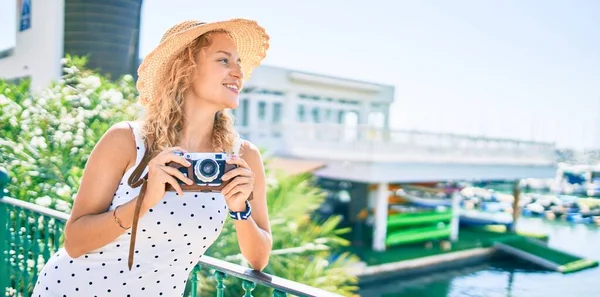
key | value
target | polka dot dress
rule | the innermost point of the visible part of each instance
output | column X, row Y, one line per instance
column 171, row 238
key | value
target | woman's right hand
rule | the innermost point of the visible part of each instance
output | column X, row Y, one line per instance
column 160, row 174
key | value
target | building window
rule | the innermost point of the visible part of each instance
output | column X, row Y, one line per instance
column 262, row 110
column 277, row 110
column 315, row 115
column 242, row 113
column 301, row 113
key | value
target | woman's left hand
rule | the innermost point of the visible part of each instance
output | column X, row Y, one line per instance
column 241, row 185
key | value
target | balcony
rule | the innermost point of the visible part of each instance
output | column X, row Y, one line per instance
column 338, row 142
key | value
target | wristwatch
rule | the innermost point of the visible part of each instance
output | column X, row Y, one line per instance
column 241, row 215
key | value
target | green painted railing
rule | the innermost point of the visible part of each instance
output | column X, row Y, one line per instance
column 32, row 233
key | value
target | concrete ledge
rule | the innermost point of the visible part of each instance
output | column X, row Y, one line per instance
column 429, row 264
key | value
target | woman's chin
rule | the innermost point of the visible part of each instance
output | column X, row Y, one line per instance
column 231, row 104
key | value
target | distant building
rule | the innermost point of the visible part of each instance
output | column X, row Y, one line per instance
column 106, row 31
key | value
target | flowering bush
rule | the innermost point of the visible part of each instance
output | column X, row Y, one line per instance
column 46, row 138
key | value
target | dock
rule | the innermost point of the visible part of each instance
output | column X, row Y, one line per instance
column 539, row 253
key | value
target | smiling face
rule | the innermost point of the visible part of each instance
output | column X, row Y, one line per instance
column 218, row 76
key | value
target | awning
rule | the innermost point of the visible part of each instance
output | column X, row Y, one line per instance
column 292, row 166
column 414, row 173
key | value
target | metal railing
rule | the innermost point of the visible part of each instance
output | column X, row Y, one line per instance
column 32, row 233
column 365, row 143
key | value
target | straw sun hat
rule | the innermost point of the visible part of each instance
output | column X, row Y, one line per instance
column 251, row 40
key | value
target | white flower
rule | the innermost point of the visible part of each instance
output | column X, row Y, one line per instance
column 69, row 120
column 91, row 82
column 18, row 149
column 72, row 97
column 115, row 97
column 78, row 141
column 43, row 201
column 62, row 205
column 128, row 78
column 85, row 101
column 37, row 131
column 67, row 137
column 38, row 142
column 4, row 100
column 64, row 191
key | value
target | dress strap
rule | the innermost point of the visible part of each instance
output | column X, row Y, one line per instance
column 237, row 145
column 136, row 128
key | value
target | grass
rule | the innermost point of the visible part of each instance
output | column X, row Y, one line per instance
column 469, row 238
column 541, row 251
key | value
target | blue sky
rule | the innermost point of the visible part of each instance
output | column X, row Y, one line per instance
column 518, row 69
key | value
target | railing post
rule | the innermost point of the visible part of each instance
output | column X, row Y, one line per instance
column 248, row 287
column 220, row 277
column 4, row 280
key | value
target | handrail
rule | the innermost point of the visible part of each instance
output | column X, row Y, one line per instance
column 257, row 277
column 265, row 279
column 54, row 214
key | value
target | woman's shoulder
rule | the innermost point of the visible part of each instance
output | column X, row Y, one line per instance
column 246, row 146
column 122, row 132
column 249, row 151
column 118, row 141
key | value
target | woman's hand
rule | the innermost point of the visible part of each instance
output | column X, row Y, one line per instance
column 241, row 185
column 160, row 174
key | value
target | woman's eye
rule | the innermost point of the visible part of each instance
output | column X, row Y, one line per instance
column 224, row 61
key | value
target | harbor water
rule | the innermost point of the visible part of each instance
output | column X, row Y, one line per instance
column 508, row 277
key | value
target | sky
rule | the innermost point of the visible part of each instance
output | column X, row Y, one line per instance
column 511, row 68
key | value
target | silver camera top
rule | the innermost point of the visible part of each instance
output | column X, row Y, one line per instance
column 206, row 165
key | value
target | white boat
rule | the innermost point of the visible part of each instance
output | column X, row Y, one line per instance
column 476, row 217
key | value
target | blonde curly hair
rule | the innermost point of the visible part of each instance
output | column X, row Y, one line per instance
column 164, row 118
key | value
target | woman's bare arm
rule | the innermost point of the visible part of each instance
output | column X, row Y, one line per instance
column 254, row 234
column 90, row 226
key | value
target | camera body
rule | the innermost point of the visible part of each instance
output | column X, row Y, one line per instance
column 206, row 170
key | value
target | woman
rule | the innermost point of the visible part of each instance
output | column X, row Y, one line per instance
column 186, row 84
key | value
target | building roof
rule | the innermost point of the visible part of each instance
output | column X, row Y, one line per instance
column 292, row 166
column 412, row 172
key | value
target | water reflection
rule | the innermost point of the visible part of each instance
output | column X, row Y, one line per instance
column 506, row 277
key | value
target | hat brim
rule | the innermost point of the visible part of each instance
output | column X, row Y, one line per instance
column 251, row 40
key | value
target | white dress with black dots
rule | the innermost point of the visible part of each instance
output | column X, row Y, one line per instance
column 171, row 238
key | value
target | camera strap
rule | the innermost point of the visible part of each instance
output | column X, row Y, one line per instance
column 135, row 180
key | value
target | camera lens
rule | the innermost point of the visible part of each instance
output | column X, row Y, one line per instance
column 207, row 170
column 208, row 167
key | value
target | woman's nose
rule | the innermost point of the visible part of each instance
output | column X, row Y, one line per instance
column 237, row 72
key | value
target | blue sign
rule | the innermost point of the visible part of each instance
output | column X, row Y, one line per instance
column 25, row 18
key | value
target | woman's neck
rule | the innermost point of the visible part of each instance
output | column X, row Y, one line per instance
column 198, row 128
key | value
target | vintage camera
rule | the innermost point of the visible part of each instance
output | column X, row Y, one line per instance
column 206, row 170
